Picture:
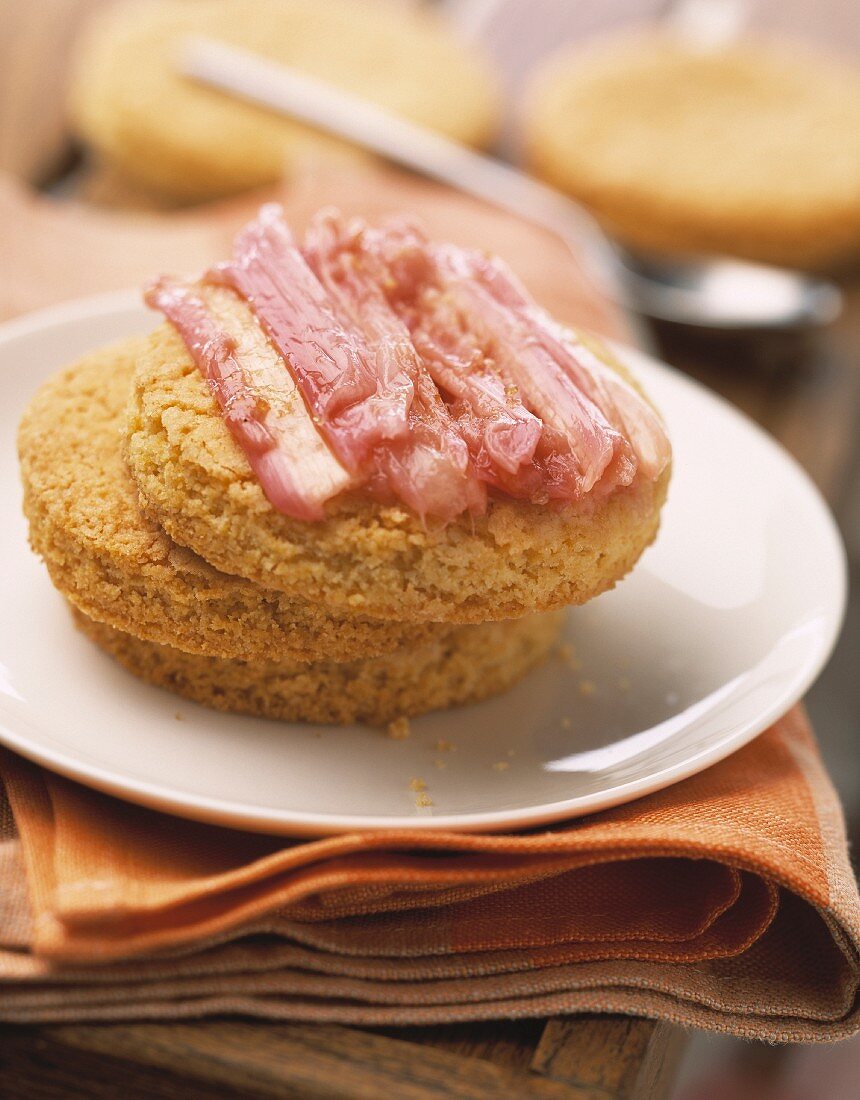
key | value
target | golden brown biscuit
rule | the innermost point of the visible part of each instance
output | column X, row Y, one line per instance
column 469, row 664
column 364, row 557
column 119, row 567
column 752, row 149
column 188, row 143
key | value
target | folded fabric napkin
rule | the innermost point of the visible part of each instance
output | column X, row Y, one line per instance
column 726, row 902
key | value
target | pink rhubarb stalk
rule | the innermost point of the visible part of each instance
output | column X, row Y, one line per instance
column 626, row 410
column 258, row 398
column 354, row 405
column 578, row 443
column 429, row 469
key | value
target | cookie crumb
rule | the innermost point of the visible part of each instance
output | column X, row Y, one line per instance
column 445, row 746
column 501, row 766
column 587, row 688
column 399, row 729
column 423, row 800
column 417, row 784
column 179, row 716
column 440, row 763
column 565, row 653
column 566, row 723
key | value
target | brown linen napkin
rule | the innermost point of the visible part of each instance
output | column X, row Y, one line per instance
column 725, row 902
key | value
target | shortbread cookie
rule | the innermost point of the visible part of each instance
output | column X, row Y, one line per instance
column 752, row 149
column 391, row 427
column 188, row 143
column 119, row 567
column 469, row 664
column 378, row 559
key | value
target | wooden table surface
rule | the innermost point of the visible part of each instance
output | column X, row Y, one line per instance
column 806, row 392
column 580, row 1058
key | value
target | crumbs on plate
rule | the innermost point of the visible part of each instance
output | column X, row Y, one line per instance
column 399, row 729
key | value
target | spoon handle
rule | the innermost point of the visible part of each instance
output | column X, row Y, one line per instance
column 283, row 89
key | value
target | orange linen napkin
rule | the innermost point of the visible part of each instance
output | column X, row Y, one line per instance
column 725, row 902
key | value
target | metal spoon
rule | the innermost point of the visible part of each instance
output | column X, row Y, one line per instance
column 710, row 292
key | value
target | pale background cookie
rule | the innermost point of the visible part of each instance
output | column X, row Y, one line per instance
column 380, row 560
column 753, row 149
column 119, row 567
column 189, row 143
column 469, row 664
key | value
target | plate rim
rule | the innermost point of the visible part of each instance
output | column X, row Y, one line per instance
column 274, row 821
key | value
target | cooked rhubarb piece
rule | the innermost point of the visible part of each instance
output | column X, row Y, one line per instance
column 581, row 443
column 355, row 403
column 501, row 433
column 258, row 398
column 428, row 468
column 627, row 411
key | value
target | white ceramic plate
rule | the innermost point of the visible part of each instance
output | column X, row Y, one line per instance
column 723, row 625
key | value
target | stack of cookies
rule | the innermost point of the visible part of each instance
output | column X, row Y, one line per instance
column 156, row 528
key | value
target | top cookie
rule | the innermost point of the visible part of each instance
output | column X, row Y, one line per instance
column 189, row 143
column 752, row 149
column 405, row 441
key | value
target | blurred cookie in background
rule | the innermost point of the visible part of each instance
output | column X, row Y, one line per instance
column 184, row 143
column 750, row 149
column 98, row 184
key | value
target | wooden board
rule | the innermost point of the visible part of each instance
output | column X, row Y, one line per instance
column 581, row 1058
